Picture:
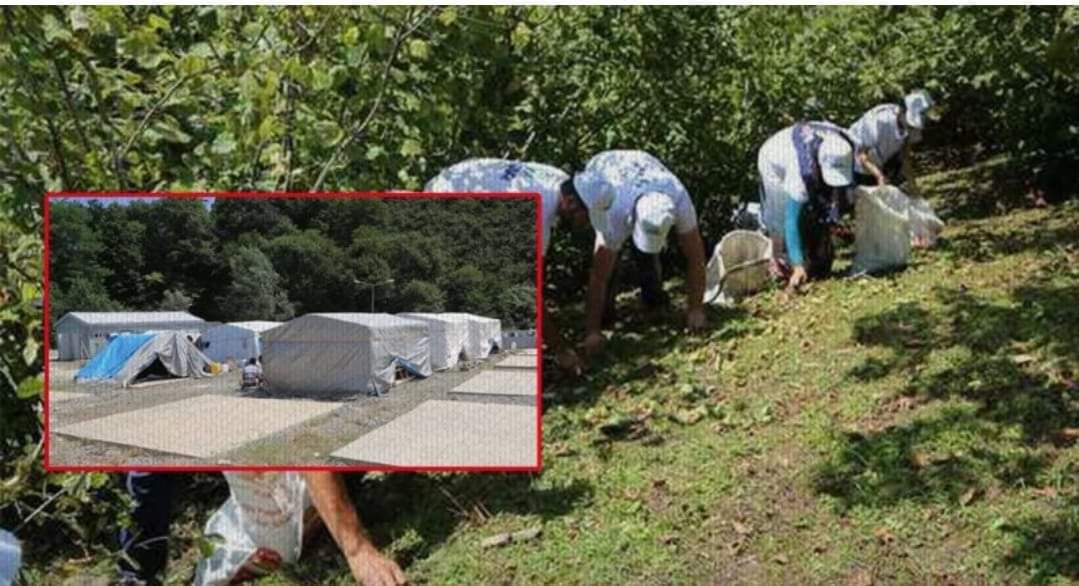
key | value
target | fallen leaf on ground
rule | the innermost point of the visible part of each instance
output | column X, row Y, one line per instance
column 1022, row 358
column 968, row 497
column 782, row 559
column 884, row 536
column 860, row 577
column 1047, row 492
column 1069, row 434
column 741, row 528
column 527, row 534
column 496, row 541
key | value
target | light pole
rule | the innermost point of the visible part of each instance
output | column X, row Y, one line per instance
column 372, row 286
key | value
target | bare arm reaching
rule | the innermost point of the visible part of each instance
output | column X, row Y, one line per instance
column 368, row 566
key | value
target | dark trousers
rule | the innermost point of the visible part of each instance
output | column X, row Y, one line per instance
column 650, row 277
column 146, row 543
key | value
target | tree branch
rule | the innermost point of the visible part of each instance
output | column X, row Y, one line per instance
column 357, row 129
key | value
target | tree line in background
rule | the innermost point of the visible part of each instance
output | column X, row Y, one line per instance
column 271, row 259
column 326, row 98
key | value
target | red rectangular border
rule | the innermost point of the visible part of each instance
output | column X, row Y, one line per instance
column 533, row 196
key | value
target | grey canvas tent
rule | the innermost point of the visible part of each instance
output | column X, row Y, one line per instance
column 129, row 357
column 484, row 334
column 80, row 334
column 327, row 354
column 235, row 341
column 449, row 337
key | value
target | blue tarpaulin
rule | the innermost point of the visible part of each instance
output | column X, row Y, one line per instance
column 110, row 359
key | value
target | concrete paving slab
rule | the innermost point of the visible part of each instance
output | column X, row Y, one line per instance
column 517, row 382
column 55, row 397
column 200, row 426
column 520, row 361
column 451, row 433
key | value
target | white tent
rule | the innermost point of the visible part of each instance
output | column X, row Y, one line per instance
column 484, row 334
column 236, row 341
column 449, row 337
column 343, row 353
column 80, row 334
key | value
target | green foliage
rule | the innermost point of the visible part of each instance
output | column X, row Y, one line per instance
column 175, row 300
column 256, row 291
column 421, row 296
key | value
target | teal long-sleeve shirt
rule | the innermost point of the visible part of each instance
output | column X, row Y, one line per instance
column 792, row 236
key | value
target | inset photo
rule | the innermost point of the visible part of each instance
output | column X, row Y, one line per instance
column 236, row 331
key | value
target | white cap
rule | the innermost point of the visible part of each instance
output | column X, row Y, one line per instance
column 655, row 216
column 836, row 160
column 598, row 196
column 917, row 104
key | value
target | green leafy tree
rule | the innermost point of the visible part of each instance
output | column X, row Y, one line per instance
column 419, row 295
column 255, row 292
column 314, row 271
column 75, row 245
column 175, row 300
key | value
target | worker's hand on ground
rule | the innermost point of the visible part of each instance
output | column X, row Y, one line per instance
column 569, row 362
column 371, row 568
column 882, row 181
column 593, row 343
column 798, row 277
column 696, row 319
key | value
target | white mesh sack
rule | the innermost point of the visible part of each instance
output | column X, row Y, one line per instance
column 265, row 511
column 882, row 229
column 925, row 225
column 738, row 267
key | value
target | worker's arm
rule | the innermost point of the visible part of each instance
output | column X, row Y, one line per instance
column 874, row 170
column 552, row 338
column 907, row 162
column 692, row 246
column 793, row 239
column 368, row 566
column 603, row 259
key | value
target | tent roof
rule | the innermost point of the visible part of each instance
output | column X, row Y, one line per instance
column 470, row 316
column 254, row 326
column 439, row 317
column 108, row 318
column 371, row 320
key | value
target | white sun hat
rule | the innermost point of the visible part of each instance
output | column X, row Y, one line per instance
column 598, row 196
column 836, row 158
column 654, row 218
column 917, row 104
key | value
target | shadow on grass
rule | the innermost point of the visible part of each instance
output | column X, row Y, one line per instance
column 982, row 245
column 638, row 343
column 1011, row 400
column 990, row 189
column 1047, row 546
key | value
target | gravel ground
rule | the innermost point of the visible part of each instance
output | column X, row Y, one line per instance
column 309, row 443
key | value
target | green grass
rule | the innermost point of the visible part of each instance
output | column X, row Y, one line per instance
column 909, row 428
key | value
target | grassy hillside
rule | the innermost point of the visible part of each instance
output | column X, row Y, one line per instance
column 912, row 429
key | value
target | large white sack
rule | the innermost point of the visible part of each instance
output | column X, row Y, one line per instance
column 264, row 510
column 925, row 225
column 739, row 267
column 882, row 229
column 10, row 557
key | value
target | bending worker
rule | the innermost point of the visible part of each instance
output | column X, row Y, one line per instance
column 500, row 176
column 646, row 201
column 804, row 170
column 887, row 133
